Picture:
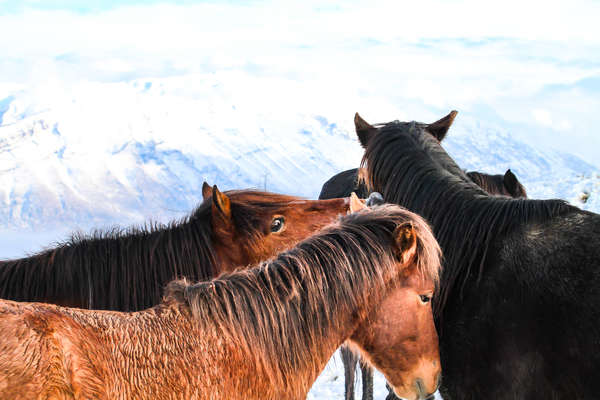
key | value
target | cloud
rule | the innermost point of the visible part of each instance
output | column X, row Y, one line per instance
column 387, row 59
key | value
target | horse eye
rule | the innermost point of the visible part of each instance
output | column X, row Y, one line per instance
column 425, row 298
column 277, row 224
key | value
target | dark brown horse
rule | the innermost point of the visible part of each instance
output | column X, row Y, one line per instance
column 346, row 182
column 504, row 185
column 518, row 307
column 260, row 333
column 127, row 269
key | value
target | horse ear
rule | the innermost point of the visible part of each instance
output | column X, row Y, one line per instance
column 356, row 204
column 440, row 128
column 221, row 206
column 206, row 190
column 511, row 183
column 405, row 242
column 364, row 130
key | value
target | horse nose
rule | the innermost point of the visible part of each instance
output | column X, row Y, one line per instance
column 420, row 388
column 422, row 392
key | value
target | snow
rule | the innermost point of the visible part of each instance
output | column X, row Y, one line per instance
column 101, row 153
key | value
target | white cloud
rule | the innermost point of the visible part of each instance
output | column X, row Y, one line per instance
column 387, row 59
column 542, row 116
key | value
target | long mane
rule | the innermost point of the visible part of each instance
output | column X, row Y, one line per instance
column 127, row 269
column 118, row 269
column 410, row 168
column 283, row 309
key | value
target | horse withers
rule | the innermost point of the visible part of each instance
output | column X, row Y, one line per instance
column 261, row 333
column 127, row 269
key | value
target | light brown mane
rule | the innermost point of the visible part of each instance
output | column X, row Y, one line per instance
column 266, row 305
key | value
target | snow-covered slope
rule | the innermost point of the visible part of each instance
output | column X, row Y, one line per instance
column 130, row 151
column 99, row 154
column 545, row 173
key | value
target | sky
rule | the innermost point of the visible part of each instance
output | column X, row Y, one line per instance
column 531, row 67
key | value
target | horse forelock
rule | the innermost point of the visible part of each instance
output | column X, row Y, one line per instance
column 324, row 276
column 410, row 168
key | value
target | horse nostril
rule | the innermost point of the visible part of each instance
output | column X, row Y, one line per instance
column 420, row 388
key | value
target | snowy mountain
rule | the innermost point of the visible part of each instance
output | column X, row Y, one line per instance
column 98, row 154
column 545, row 173
column 145, row 154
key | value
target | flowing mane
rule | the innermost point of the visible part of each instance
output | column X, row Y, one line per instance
column 411, row 169
column 126, row 269
column 271, row 318
column 158, row 251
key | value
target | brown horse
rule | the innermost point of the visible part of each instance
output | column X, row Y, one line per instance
column 126, row 270
column 260, row 333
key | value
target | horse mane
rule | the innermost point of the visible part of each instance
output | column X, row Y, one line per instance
column 127, row 269
column 120, row 268
column 410, row 168
column 284, row 308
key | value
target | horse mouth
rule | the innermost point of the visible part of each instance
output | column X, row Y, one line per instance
column 420, row 393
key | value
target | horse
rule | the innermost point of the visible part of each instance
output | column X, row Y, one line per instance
column 505, row 185
column 346, row 182
column 260, row 333
column 127, row 269
column 349, row 181
column 518, row 307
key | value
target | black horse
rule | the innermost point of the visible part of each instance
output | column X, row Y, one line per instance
column 346, row 182
column 506, row 185
column 518, row 311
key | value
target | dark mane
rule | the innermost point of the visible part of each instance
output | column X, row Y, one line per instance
column 138, row 261
column 267, row 305
column 127, row 269
column 410, row 168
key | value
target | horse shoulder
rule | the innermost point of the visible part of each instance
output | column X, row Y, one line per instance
column 562, row 251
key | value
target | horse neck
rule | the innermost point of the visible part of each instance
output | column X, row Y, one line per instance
column 289, row 332
column 125, row 272
column 468, row 224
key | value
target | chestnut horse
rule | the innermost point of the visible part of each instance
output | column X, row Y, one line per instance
column 519, row 299
column 126, row 270
column 260, row 333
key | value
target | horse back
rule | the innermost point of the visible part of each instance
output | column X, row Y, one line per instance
column 38, row 358
column 535, row 312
